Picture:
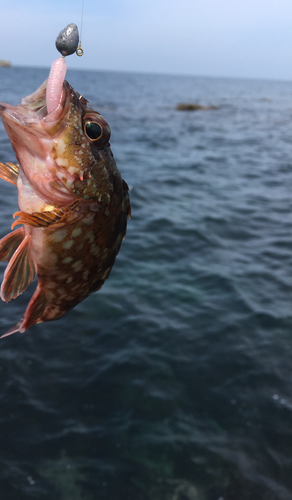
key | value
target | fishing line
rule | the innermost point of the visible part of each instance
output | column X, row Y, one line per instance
column 79, row 50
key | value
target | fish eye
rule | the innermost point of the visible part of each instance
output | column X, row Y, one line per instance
column 93, row 130
column 97, row 130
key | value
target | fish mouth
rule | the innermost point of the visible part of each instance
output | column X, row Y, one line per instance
column 32, row 112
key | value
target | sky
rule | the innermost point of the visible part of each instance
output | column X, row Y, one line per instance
column 228, row 38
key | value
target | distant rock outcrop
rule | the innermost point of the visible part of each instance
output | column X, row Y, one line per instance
column 5, row 64
column 193, row 107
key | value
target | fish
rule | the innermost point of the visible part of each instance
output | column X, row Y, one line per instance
column 73, row 204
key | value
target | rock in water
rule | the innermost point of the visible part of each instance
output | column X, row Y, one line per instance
column 193, row 107
column 5, row 64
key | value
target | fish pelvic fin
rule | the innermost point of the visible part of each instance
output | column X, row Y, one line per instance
column 19, row 273
column 9, row 172
column 46, row 218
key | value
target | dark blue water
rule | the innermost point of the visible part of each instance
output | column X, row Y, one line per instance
column 174, row 382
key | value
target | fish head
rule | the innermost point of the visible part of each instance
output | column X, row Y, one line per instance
column 62, row 154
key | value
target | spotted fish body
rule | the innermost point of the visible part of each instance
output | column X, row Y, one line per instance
column 73, row 204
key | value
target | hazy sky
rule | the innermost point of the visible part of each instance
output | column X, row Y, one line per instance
column 241, row 38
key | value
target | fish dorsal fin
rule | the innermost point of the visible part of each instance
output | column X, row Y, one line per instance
column 19, row 273
column 9, row 244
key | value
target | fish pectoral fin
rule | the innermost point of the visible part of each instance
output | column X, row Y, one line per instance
column 46, row 218
column 10, row 243
column 9, row 172
column 19, row 273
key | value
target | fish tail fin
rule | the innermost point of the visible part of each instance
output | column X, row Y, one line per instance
column 21, row 269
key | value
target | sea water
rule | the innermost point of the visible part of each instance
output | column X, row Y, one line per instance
column 174, row 381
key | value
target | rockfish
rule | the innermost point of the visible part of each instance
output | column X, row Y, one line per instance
column 73, row 204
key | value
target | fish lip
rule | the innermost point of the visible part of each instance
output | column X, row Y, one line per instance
column 27, row 111
column 13, row 114
column 32, row 110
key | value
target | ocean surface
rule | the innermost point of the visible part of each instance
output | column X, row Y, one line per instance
column 174, row 381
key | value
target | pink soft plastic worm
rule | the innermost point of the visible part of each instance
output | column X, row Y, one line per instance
column 55, row 83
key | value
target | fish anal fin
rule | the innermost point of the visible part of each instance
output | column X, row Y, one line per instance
column 13, row 329
column 33, row 313
column 19, row 273
column 46, row 218
column 10, row 243
column 9, row 172
column 35, row 310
